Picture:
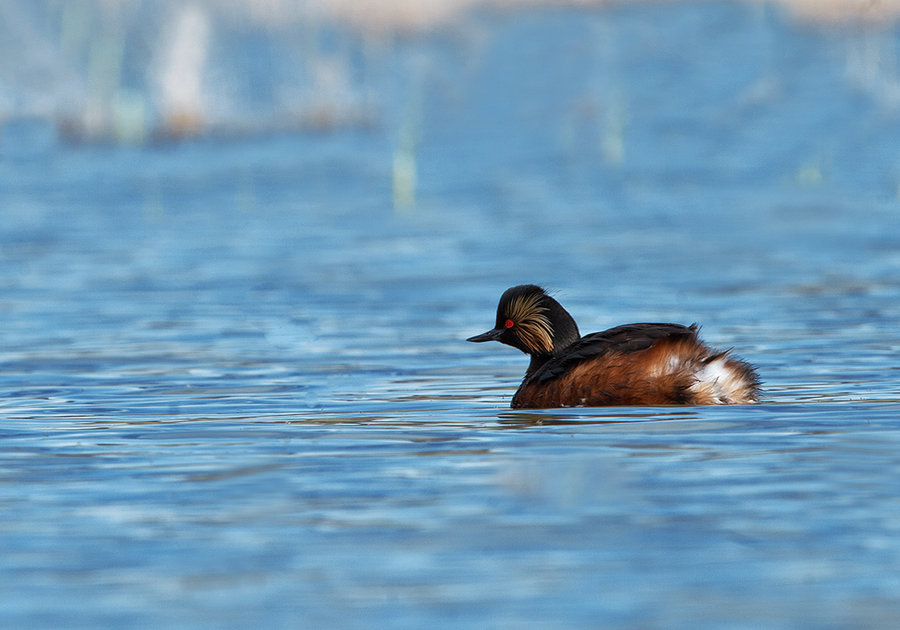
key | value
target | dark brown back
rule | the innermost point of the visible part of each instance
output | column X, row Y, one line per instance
column 621, row 339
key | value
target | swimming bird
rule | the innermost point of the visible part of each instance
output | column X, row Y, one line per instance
column 634, row 364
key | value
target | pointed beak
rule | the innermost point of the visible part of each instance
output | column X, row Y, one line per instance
column 491, row 335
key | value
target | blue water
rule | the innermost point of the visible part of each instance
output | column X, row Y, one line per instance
column 235, row 393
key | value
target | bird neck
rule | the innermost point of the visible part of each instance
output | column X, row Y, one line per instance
column 565, row 330
column 565, row 333
column 537, row 362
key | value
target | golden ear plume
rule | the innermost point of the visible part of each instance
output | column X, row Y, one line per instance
column 531, row 322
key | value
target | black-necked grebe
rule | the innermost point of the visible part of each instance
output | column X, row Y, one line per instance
column 634, row 364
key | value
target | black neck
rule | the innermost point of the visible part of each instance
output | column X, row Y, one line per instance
column 565, row 330
column 565, row 333
column 537, row 362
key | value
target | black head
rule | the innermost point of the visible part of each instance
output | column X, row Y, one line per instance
column 532, row 321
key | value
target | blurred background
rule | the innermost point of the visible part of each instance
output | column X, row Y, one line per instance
column 425, row 155
column 242, row 242
column 137, row 72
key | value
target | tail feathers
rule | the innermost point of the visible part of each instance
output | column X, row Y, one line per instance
column 724, row 380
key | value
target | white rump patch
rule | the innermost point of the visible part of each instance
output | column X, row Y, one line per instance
column 722, row 383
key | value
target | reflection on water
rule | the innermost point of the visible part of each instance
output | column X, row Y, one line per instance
column 779, row 507
column 234, row 389
column 604, row 416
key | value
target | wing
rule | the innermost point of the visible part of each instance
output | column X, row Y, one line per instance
column 621, row 339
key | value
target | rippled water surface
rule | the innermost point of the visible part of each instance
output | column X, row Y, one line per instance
column 234, row 388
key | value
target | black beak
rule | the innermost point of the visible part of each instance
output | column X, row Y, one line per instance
column 491, row 335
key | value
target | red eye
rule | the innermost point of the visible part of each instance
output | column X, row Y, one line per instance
column 510, row 323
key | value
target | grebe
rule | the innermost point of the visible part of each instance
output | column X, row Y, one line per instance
column 634, row 364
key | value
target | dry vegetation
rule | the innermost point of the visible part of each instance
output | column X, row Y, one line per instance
column 405, row 15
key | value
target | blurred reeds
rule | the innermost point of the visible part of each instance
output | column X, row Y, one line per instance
column 138, row 71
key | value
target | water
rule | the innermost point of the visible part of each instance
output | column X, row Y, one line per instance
column 235, row 393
